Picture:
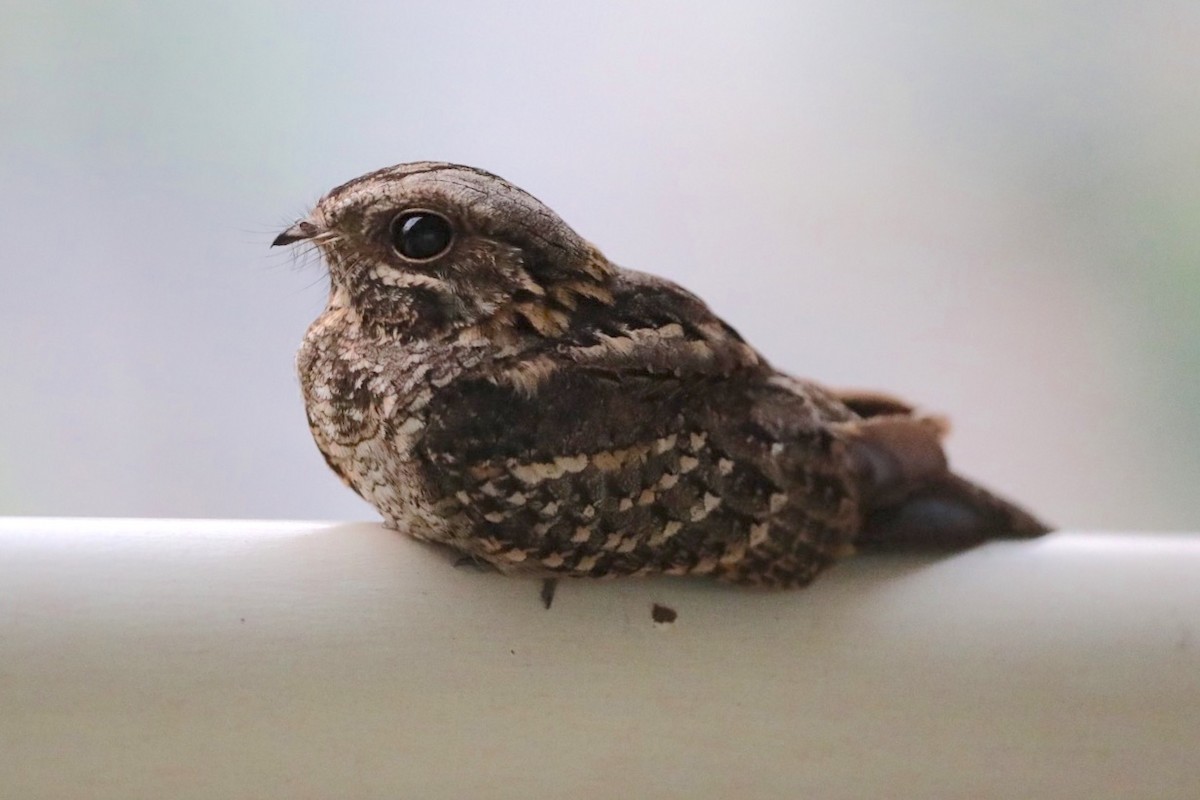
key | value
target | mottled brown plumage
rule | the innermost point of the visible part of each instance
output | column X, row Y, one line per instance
column 488, row 380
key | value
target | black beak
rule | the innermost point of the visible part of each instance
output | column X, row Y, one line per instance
column 297, row 233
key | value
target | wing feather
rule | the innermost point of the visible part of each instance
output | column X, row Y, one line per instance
column 649, row 437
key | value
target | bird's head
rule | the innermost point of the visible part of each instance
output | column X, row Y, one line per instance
column 430, row 248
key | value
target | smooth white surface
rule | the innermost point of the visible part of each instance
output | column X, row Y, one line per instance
column 247, row 659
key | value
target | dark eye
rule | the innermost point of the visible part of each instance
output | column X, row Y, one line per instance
column 421, row 235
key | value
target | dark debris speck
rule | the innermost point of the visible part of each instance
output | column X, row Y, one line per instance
column 663, row 614
column 549, row 587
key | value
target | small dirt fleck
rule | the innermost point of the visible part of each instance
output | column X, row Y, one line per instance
column 664, row 615
column 549, row 587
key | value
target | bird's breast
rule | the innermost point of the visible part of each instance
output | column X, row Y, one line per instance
column 368, row 400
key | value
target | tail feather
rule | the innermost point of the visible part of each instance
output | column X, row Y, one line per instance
column 949, row 513
column 912, row 498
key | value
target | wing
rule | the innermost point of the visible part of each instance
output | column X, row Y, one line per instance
column 651, row 438
column 869, row 403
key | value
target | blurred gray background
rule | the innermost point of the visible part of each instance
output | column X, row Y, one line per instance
column 989, row 208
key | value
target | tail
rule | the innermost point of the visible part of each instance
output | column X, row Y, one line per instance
column 949, row 513
column 910, row 498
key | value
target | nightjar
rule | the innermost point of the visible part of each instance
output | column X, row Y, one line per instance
column 488, row 380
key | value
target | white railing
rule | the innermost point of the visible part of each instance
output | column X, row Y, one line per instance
column 211, row 659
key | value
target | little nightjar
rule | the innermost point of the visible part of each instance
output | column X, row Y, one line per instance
column 488, row 380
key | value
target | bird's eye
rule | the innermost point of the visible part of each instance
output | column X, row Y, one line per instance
column 421, row 235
